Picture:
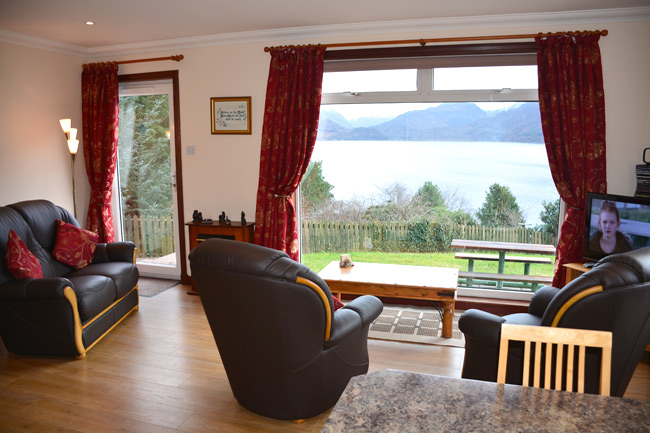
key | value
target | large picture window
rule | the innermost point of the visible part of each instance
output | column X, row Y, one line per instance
column 436, row 140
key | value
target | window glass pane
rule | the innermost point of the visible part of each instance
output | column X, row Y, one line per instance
column 487, row 77
column 396, row 80
column 145, row 167
column 407, row 172
column 463, row 148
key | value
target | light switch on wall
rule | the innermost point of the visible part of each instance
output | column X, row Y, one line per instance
column 191, row 150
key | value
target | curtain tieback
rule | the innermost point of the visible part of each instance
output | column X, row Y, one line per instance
column 280, row 196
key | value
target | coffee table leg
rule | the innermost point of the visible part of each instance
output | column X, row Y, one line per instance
column 447, row 318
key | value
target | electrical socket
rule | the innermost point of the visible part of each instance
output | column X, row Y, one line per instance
column 191, row 150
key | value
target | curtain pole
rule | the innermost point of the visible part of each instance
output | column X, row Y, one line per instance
column 177, row 58
column 454, row 39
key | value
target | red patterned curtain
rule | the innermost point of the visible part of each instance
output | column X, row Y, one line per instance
column 100, row 117
column 572, row 105
column 293, row 96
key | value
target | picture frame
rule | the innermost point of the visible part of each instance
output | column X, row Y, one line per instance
column 231, row 115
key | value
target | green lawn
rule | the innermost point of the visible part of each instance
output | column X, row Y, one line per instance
column 317, row 261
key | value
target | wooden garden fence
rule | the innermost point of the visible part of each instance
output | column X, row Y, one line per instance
column 153, row 236
column 333, row 236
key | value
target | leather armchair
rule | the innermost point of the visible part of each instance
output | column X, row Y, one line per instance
column 613, row 296
column 286, row 352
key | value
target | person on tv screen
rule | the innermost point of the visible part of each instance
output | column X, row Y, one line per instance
column 608, row 239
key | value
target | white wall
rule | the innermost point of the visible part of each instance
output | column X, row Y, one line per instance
column 37, row 88
column 223, row 174
column 626, row 76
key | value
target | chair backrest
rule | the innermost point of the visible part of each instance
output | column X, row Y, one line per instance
column 278, row 307
column 272, row 319
column 548, row 340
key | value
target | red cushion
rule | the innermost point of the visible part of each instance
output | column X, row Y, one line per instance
column 74, row 246
column 337, row 304
column 21, row 262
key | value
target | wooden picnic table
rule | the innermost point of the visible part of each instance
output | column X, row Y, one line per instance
column 502, row 248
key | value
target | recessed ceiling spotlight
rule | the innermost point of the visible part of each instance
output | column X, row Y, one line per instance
column 90, row 23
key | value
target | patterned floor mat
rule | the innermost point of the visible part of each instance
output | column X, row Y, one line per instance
column 415, row 325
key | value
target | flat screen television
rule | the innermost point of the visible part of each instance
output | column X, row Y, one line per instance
column 614, row 224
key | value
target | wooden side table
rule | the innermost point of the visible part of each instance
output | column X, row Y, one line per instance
column 236, row 231
column 573, row 271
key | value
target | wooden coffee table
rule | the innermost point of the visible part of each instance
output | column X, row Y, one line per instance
column 397, row 281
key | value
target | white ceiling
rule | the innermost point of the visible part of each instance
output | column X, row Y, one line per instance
column 123, row 22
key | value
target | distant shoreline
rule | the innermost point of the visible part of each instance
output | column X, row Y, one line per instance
column 360, row 168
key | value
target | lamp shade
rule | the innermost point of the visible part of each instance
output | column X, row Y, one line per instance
column 73, row 133
column 73, row 146
column 65, row 124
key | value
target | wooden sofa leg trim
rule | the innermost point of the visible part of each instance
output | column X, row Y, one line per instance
column 69, row 294
column 135, row 308
column 88, row 323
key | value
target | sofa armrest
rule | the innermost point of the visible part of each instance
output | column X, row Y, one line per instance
column 481, row 326
column 115, row 252
column 345, row 324
column 541, row 299
column 356, row 315
column 367, row 306
column 31, row 289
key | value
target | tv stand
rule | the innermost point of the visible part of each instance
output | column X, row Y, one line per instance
column 201, row 231
column 573, row 271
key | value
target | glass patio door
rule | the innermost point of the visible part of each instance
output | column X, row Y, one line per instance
column 146, row 201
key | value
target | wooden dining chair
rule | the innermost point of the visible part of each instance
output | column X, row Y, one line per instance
column 544, row 339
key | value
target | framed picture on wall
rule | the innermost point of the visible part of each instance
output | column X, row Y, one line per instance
column 231, row 115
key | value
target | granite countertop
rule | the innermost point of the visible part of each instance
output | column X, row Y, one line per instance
column 398, row 401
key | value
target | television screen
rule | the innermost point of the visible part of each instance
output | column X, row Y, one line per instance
column 615, row 224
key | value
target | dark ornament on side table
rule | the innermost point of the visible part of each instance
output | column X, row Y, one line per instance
column 222, row 218
column 197, row 216
column 243, row 218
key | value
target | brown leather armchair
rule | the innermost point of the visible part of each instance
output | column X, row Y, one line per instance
column 286, row 352
column 613, row 296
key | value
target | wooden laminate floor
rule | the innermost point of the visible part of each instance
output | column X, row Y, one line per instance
column 159, row 371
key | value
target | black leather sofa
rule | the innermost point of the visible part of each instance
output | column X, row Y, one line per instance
column 68, row 310
column 287, row 353
column 613, row 296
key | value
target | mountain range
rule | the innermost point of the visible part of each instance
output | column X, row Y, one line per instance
column 463, row 121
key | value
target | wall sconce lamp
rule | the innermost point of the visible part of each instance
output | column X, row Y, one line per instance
column 73, row 147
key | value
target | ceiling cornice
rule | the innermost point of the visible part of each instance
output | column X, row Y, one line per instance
column 297, row 33
column 42, row 44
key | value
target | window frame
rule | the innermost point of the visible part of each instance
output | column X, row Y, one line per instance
column 425, row 60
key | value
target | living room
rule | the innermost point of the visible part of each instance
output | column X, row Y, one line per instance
column 42, row 80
